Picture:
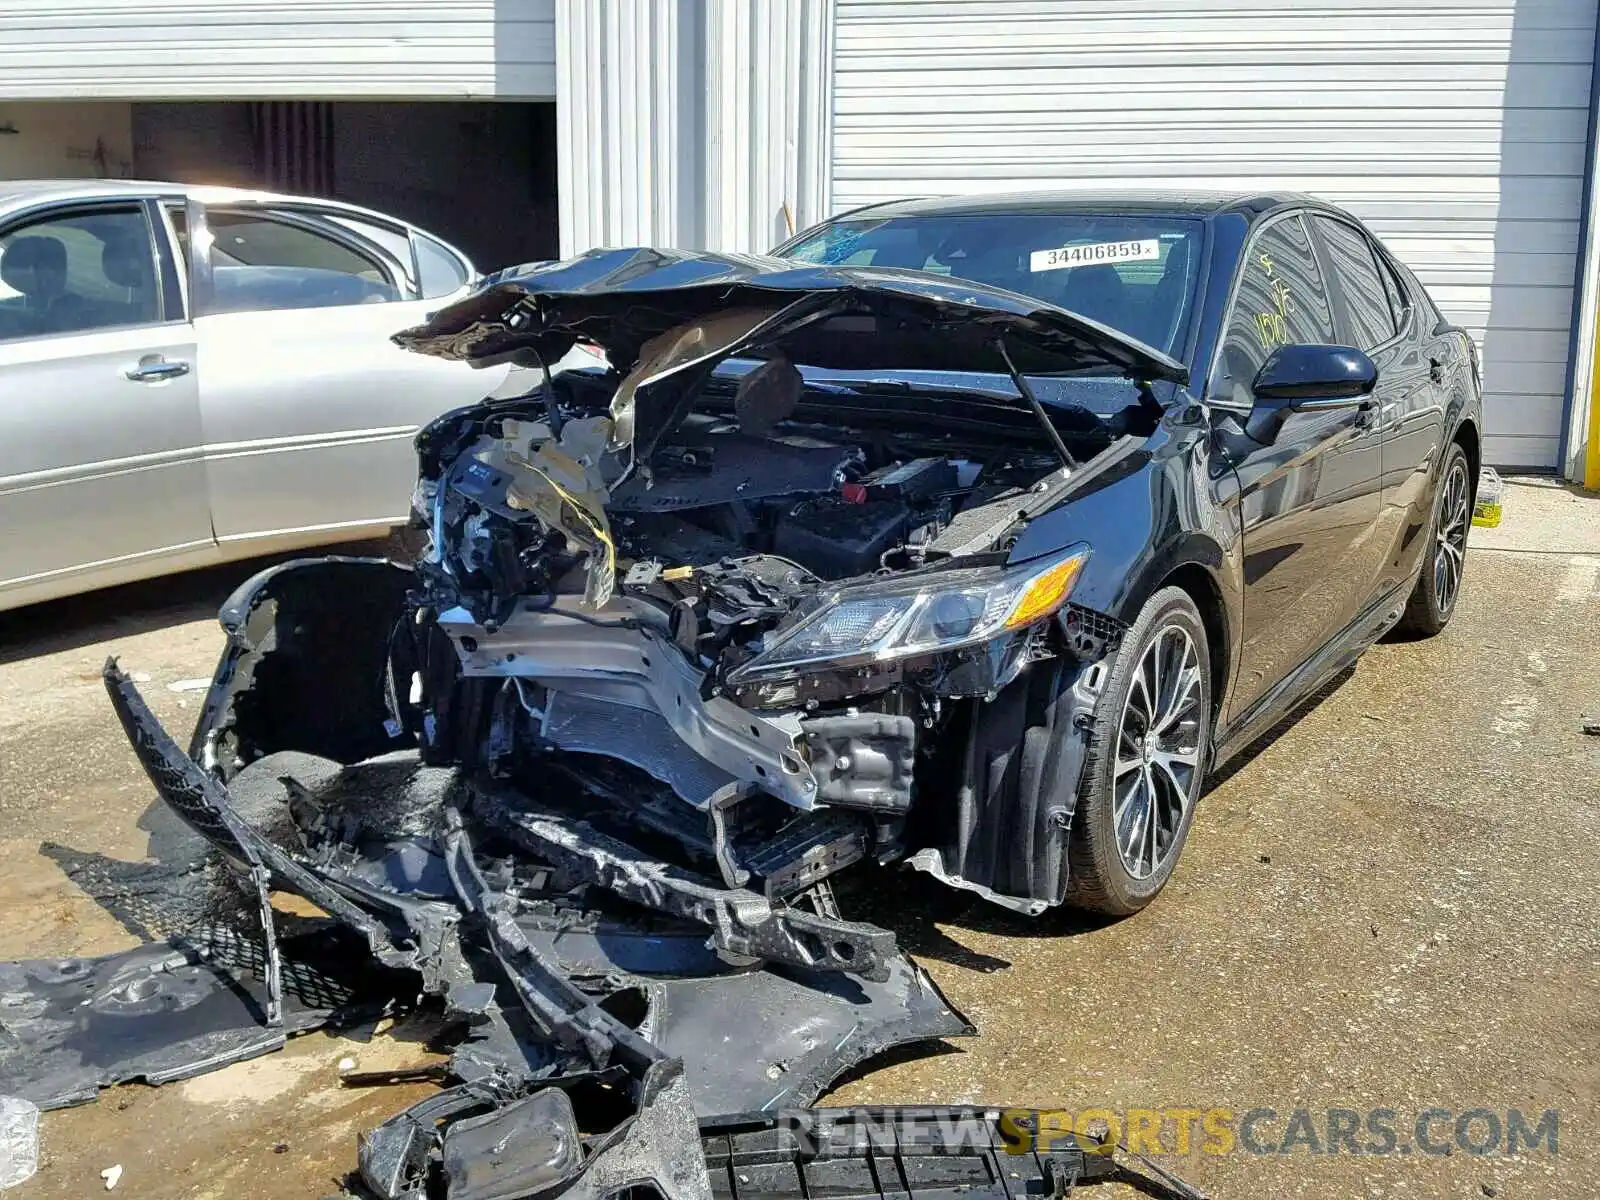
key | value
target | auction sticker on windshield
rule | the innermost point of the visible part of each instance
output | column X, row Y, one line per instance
column 1093, row 253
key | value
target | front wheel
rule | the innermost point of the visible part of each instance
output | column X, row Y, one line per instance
column 1433, row 600
column 1147, row 757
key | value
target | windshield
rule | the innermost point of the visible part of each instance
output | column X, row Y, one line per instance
column 1134, row 273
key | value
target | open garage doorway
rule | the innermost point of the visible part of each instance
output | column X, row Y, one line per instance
column 481, row 174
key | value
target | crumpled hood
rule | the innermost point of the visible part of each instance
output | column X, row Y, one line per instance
column 847, row 318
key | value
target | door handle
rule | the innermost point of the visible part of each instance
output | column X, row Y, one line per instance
column 154, row 368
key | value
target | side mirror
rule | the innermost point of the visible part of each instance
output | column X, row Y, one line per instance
column 1308, row 379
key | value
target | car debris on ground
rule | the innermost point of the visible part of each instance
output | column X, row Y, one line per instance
column 599, row 1042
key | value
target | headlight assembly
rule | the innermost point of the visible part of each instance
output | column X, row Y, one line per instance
column 944, row 610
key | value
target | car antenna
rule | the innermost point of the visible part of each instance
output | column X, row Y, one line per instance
column 1021, row 383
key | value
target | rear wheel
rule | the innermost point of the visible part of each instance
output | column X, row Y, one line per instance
column 1147, row 756
column 1438, row 588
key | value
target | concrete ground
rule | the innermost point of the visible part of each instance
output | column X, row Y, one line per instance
column 1388, row 906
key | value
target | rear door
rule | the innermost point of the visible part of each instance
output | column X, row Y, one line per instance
column 1310, row 501
column 100, row 462
column 309, row 409
column 1409, row 412
column 1415, row 434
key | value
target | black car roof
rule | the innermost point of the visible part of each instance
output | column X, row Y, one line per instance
column 1186, row 202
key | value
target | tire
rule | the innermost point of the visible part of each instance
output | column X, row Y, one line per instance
column 1119, row 871
column 1433, row 600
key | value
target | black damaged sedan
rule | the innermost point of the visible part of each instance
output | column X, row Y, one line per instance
column 964, row 534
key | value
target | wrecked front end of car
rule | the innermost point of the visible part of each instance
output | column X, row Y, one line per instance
column 691, row 636
column 766, row 561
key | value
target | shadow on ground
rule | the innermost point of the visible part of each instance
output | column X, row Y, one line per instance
column 149, row 605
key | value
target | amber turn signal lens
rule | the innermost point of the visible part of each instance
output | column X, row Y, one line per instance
column 1045, row 594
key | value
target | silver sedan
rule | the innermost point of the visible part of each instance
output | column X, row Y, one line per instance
column 189, row 375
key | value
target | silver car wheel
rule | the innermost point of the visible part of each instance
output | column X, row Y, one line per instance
column 1158, row 752
column 1450, row 549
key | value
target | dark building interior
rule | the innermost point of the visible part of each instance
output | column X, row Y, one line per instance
column 480, row 174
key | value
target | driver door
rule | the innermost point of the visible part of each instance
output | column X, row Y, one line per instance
column 101, row 479
column 1310, row 501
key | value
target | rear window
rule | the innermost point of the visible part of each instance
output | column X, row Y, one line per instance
column 1133, row 273
column 259, row 262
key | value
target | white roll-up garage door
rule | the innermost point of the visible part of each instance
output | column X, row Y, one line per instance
column 1455, row 127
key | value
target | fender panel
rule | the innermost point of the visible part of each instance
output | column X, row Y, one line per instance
column 1170, row 504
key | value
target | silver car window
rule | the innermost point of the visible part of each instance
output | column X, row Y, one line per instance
column 441, row 269
column 178, row 216
column 392, row 238
column 79, row 270
column 260, row 262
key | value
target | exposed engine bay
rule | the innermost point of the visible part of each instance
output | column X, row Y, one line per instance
column 736, row 539
column 832, row 499
column 729, row 533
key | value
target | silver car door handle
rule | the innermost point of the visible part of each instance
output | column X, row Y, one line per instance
column 150, row 370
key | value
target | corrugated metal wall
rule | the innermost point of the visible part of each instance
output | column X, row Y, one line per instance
column 767, row 98
column 1456, row 127
column 626, row 115
column 251, row 49
column 292, row 142
column 698, row 123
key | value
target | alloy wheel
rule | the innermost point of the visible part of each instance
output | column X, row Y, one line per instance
column 1450, row 548
column 1158, row 751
